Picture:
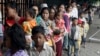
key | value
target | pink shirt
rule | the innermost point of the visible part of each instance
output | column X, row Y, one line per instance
column 60, row 23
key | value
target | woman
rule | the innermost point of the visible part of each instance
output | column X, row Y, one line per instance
column 15, row 41
column 46, row 23
column 52, row 18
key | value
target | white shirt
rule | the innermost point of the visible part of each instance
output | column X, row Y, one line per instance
column 46, row 51
column 0, row 16
column 74, row 12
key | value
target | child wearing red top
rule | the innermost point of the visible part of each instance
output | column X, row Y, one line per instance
column 58, row 42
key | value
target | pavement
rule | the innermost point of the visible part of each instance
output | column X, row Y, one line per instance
column 93, row 40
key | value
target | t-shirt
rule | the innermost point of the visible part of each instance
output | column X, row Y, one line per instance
column 28, row 25
column 74, row 12
column 11, row 21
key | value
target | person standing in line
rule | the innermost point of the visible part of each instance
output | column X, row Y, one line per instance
column 74, row 12
column 28, row 24
column 15, row 41
column 40, row 48
column 68, row 22
column 52, row 18
column 75, row 36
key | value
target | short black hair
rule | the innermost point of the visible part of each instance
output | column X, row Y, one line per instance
column 68, row 7
column 53, row 9
column 31, row 12
column 38, row 29
column 57, row 13
column 11, row 4
column 56, row 32
column 60, row 5
column 17, row 36
column 73, row 1
column 45, row 8
column 74, row 18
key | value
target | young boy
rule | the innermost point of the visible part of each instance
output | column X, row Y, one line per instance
column 75, row 37
column 40, row 48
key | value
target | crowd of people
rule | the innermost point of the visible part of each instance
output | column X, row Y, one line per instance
column 45, row 31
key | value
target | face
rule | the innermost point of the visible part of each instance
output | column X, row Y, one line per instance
column 38, row 39
column 62, row 8
column 10, row 12
column 82, row 15
column 70, row 9
column 52, row 13
column 36, row 9
column 75, row 22
column 73, row 4
column 80, row 25
column 27, row 15
column 60, row 14
column 45, row 14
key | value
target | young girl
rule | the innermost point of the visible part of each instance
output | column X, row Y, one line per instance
column 29, row 23
column 58, row 42
column 60, row 24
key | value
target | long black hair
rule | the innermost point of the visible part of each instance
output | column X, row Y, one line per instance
column 17, row 37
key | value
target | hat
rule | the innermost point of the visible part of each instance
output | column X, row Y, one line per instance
column 79, row 21
column 44, row 5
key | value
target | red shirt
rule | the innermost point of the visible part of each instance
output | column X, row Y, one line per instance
column 11, row 21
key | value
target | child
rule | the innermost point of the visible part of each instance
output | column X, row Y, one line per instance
column 59, row 21
column 28, row 24
column 85, row 27
column 80, row 31
column 15, row 41
column 82, row 17
column 75, row 37
column 85, row 31
column 40, row 48
column 58, row 42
